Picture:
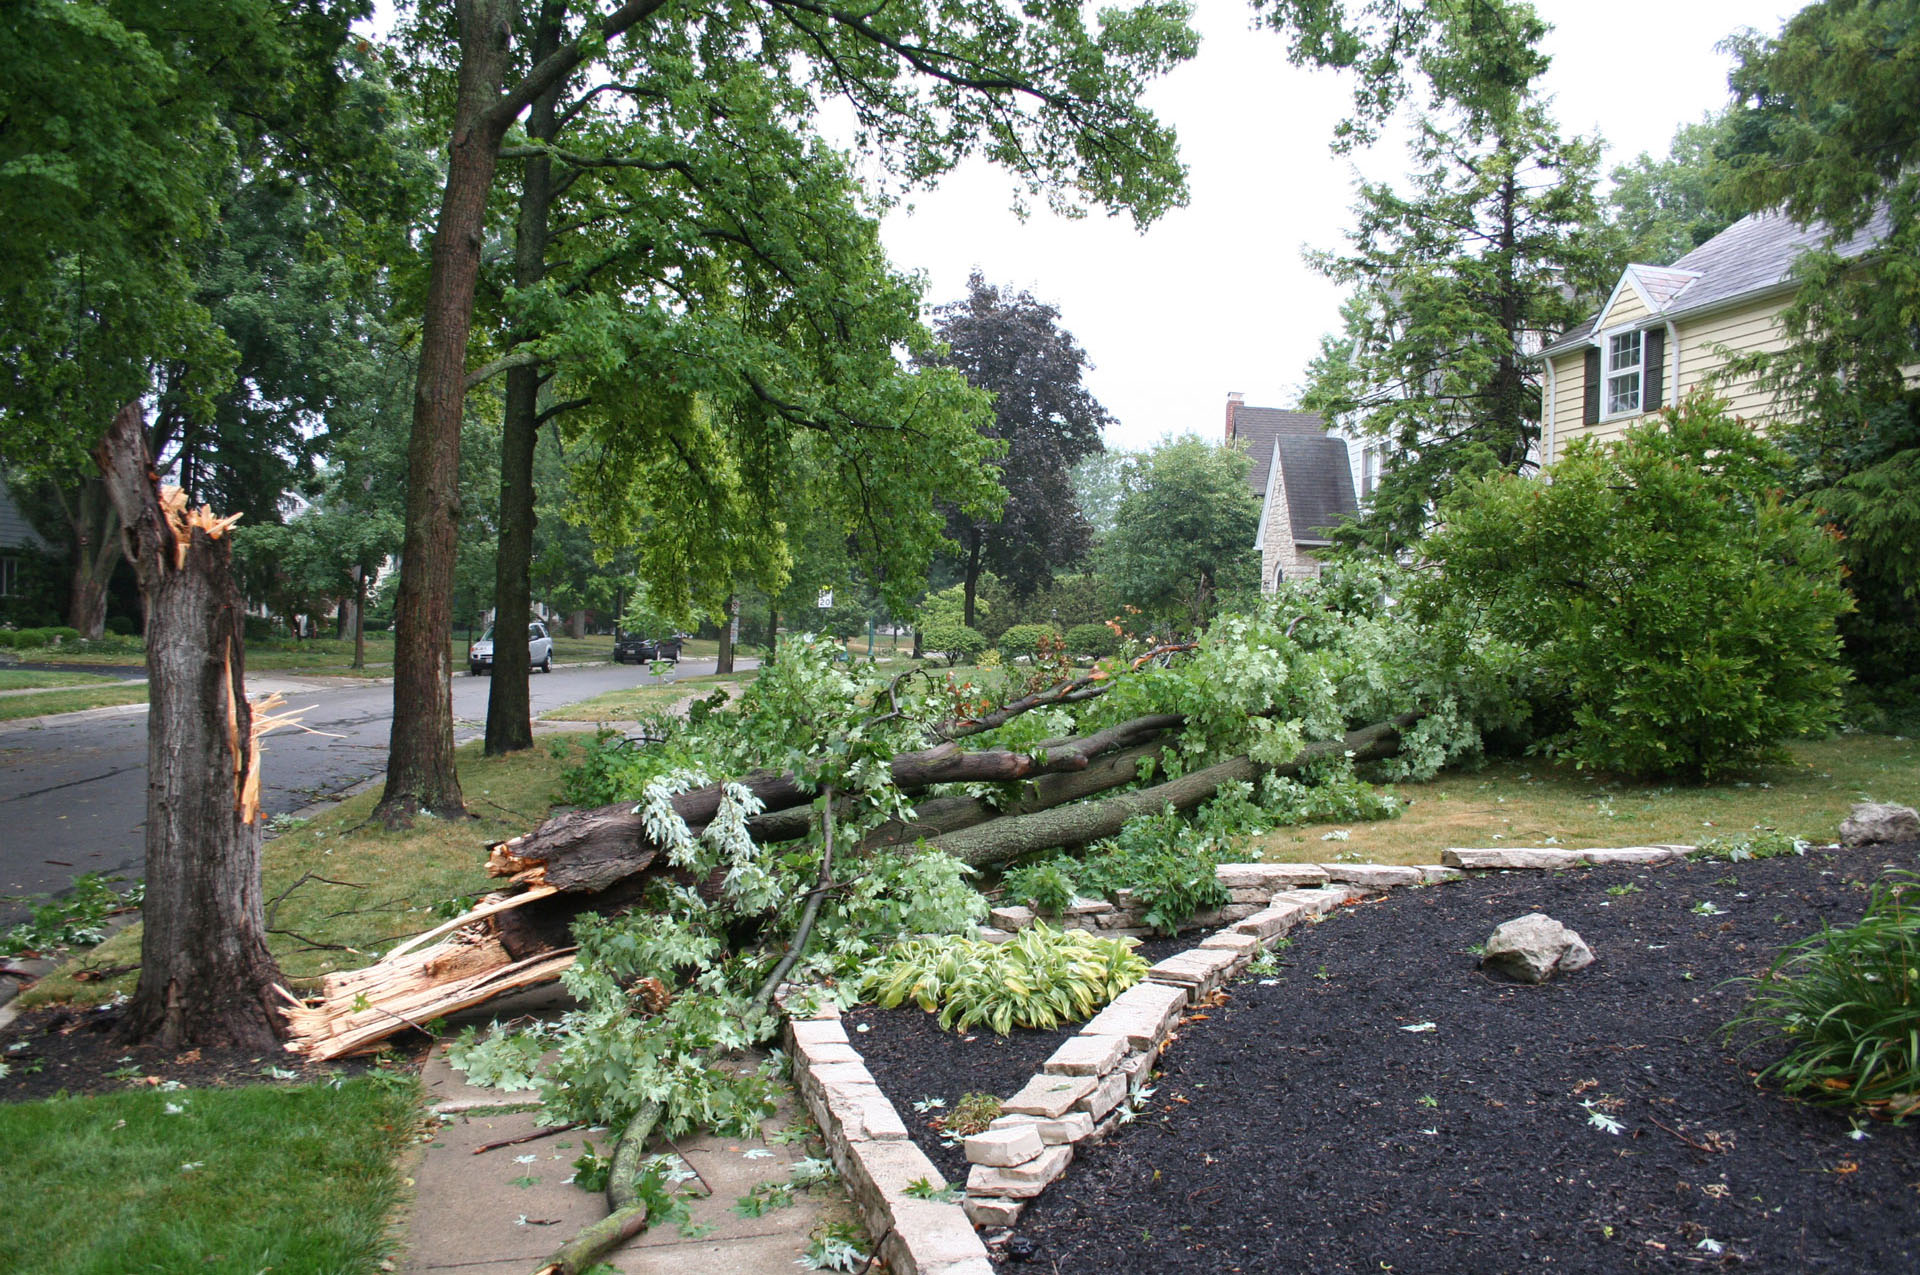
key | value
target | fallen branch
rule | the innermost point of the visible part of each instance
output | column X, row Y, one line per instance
column 535, row 1136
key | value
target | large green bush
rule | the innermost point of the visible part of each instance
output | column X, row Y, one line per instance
column 1681, row 609
column 956, row 641
column 1023, row 640
column 1092, row 639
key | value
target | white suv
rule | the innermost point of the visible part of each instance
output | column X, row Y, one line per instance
column 539, row 651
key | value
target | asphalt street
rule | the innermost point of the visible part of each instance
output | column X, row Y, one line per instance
column 73, row 791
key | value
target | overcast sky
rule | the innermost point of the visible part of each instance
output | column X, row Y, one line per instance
column 1215, row 297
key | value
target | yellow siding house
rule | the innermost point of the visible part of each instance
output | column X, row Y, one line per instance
column 1668, row 330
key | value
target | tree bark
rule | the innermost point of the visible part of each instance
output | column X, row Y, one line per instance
column 509, row 704
column 95, row 528
column 725, row 662
column 359, row 617
column 973, row 575
column 205, row 972
column 420, row 768
column 585, row 851
column 1004, row 839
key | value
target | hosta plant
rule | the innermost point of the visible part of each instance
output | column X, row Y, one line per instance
column 1042, row 977
column 1844, row 1004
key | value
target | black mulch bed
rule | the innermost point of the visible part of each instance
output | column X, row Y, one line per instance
column 1300, row 1127
column 914, row 1060
column 55, row 1050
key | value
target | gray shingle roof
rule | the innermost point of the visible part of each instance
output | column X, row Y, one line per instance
column 1256, row 428
column 1319, row 481
column 1313, row 466
column 1753, row 255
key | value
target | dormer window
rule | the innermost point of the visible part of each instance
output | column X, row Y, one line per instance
column 1624, row 354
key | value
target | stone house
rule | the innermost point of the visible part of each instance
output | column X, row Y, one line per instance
column 1304, row 479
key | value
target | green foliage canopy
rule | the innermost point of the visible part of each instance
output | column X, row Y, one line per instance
column 1183, row 533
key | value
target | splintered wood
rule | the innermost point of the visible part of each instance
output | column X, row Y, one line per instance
column 415, row 984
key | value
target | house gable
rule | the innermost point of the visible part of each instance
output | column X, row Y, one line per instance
column 1304, row 478
column 1719, row 301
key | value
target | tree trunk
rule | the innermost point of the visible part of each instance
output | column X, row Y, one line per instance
column 95, row 528
column 509, row 704
column 1073, row 825
column 359, row 617
column 973, row 575
column 725, row 662
column 420, row 766
column 773, row 630
column 205, row 973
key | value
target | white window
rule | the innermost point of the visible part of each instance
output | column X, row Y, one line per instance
column 1623, row 373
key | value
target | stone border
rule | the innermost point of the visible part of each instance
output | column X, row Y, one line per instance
column 1080, row 1091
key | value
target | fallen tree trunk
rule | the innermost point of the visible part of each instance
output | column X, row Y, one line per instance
column 523, row 936
column 998, row 840
column 586, row 851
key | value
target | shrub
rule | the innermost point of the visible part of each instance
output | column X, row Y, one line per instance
column 1683, row 611
column 1040, row 978
column 1047, row 886
column 258, row 629
column 122, row 626
column 1092, row 639
column 1024, row 640
column 956, row 641
column 1845, row 1003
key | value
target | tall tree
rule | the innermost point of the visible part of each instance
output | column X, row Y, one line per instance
column 111, row 270
column 1034, row 90
column 1827, row 129
column 1184, row 533
column 1014, row 347
column 1495, row 247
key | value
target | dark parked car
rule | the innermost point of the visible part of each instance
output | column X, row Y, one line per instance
column 631, row 648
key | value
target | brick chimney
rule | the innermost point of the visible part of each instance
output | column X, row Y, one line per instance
column 1234, row 399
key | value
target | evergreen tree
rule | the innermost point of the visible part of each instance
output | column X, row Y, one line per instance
column 1827, row 129
column 1495, row 247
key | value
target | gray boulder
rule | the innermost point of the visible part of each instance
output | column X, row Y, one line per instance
column 1874, row 824
column 1534, row 948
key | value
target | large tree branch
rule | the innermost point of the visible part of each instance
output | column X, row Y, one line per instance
column 561, row 62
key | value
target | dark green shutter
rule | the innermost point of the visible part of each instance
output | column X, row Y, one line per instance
column 1653, row 369
column 1590, row 404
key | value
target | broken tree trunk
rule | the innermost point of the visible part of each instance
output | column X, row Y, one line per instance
column 515, row 939
column 206, row 977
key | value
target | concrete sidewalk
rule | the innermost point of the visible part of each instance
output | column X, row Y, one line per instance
column 508, row 1209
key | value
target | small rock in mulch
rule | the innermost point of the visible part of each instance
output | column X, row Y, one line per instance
column 1535, row 947
column 1874, row 823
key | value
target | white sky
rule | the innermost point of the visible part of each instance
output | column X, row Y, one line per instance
column 1215, row 296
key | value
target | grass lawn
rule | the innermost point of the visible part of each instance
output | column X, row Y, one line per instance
column 341, row 889
column 1531, row 803
column 628, row 703
column 14, row 707
column 235, row 1181
column 17, row 679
